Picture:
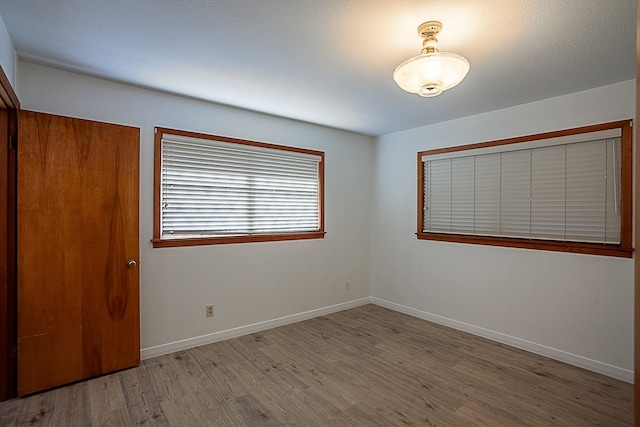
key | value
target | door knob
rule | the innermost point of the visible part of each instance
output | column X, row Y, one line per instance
column 131, row 263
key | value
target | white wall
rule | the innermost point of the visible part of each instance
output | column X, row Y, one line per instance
column 577, row 308
column 247, row 283
column 8, row 58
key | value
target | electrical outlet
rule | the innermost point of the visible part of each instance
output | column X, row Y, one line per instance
column 347, row 285
column 209, row 309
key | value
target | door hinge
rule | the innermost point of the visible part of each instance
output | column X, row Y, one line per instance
column 13, row 142
column 13, row 352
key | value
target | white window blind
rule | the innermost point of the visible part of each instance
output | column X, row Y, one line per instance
column 214, row 188
column 562, row 189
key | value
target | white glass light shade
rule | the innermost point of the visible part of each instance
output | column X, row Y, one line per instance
column 431, row 73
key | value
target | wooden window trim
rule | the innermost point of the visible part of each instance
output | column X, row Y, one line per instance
column 157, row 240
column 624, row 249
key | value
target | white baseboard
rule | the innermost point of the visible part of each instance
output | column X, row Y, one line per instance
column 172, row 347
column 563, row 356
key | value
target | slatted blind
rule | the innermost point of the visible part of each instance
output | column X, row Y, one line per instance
column 562, row 189
column 214, row 188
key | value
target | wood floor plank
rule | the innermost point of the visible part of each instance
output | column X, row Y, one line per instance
column 37, row 410
column 362, row 414
column 106, row 395
column 332, row 387
column 367, row 366
column 253, row 412
column 166, row 381
column 114, row 418
column 9, row 413
column 219, row 371
column 142, row 402
column 72, row 403
column 276, row 395
column 266, row 366
column 184, row 410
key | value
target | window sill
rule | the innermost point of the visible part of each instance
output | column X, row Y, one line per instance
column 200, row 241
column 573, row 247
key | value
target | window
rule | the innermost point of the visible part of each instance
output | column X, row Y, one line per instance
column 565, row 191
column 213, row 189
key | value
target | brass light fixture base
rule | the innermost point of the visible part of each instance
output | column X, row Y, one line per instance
column 428, row 31
column 429, row 28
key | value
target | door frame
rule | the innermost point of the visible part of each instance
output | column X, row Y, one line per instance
column 636, row 269
column 9, row 105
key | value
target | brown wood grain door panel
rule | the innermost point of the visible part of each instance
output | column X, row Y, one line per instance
column 78, row 302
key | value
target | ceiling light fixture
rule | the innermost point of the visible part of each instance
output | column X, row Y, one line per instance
column 431, row 72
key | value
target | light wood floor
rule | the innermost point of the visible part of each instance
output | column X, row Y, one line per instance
column 367, row 366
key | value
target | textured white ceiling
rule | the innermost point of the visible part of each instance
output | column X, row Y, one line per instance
column 330, row 61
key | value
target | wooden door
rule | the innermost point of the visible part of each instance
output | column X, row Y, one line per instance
column 78, row 300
